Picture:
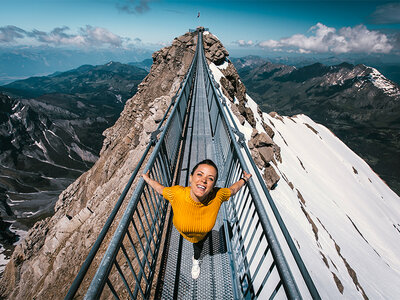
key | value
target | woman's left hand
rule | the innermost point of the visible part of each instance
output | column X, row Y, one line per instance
column 246, row 176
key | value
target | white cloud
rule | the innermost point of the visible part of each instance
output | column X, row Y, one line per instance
column 243, row 43
column 327, row 39
column 86, row 37
column 100, row 36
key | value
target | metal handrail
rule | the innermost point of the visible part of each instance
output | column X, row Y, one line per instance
column 96, row 246
column 247, row 266
column 165, row 151
column 300, row 264
column 299, row 261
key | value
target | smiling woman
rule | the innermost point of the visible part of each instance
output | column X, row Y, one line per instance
column 196, row 207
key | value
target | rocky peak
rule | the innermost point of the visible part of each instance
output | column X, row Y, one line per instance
column 263, row 149
column 214, row 50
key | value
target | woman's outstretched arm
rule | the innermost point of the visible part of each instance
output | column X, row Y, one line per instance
column 240, row 183
column 154, row 184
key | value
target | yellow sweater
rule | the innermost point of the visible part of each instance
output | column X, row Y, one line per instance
column 193, row 219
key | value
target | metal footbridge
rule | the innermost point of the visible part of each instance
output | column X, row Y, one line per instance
column 242, row 257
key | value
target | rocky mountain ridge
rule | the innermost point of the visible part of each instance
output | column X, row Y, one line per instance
column 23, row 62
column 50, row 133
column 92, row 83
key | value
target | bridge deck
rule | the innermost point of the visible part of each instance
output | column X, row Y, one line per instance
column 214, row 281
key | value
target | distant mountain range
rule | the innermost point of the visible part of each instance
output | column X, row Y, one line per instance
column 23, row 62
column 51, row 132
column 388, row 65
column 356, row 102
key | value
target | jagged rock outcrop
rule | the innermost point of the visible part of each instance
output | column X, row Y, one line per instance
column 214, row 50
column 44, row 265
column 263, row 153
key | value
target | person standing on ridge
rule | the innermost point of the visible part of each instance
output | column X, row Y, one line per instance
column 196, row 207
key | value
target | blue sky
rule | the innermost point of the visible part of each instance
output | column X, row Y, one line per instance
column 252, row 26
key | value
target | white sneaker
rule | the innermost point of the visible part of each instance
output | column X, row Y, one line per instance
column 195, row 268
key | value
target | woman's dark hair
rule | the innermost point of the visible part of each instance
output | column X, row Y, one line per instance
column 206, row 162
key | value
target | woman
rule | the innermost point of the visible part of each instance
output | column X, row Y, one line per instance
column 196, row 207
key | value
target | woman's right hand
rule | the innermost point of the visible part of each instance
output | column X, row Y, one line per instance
column 146, row 176
column 154, row 184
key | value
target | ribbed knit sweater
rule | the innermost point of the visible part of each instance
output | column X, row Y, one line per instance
column 194, row 219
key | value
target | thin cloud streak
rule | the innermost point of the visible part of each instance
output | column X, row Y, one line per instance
column 9, row 34
column 134, row 7
column 88, row 36
column 386, row 14
column 243, row 43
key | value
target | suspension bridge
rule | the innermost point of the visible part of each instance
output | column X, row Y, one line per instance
column 242, row 258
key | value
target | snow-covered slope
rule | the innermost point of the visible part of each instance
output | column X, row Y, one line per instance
column 343, row 218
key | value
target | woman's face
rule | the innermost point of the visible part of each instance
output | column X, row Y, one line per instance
column 202, row 181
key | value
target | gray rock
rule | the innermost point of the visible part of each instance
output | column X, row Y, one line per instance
column 266, row 153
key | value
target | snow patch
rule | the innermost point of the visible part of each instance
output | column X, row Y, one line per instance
column 382, row 83
column 216, row 72
column 3, row 259
column 15, row 106
column 321, row 168
column 41, row 146
column 16, row 115
column 85, row 155
column 224, row 65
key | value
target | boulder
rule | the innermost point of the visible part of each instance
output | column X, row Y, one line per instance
column 266, row 153
column 214, row 50
column 262, row 139
column 271, row 177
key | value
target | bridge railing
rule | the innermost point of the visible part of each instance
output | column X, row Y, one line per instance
column 258, row 264
column 308, row 282
column 128, row 265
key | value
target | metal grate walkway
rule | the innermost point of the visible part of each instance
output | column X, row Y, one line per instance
column 214, row 280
